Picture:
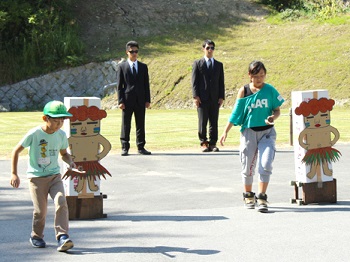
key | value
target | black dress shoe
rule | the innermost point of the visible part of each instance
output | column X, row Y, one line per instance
column 213, row 148
column 144, row 152
column 125, row 152
column 205, row 147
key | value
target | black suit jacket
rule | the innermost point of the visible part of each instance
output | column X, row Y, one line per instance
column 132, row 89
column 205, row 85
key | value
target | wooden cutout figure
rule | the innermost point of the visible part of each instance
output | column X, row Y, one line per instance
column 85, row 143
column 316, row 138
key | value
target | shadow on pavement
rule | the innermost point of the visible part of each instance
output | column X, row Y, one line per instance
column 165, row 250
column 164, row 218
column 221, row 153
column 317, row 208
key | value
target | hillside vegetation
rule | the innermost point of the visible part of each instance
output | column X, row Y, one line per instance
column 300, row 54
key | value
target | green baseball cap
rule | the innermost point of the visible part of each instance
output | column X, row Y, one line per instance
column 56, row 109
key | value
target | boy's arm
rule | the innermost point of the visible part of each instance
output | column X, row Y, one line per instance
column 15, row 181
column 66, row 157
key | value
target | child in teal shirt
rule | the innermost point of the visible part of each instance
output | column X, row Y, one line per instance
column 256, row 108
column 45, row 144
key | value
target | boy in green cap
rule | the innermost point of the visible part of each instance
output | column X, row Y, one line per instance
column 45, row 143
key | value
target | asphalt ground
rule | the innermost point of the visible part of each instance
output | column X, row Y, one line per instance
column 186, row 206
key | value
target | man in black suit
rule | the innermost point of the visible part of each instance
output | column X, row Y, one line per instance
column 133, row 98
column 208, row 90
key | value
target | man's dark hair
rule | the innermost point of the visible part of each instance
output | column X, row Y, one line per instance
column 131, row 44
column 208, row 42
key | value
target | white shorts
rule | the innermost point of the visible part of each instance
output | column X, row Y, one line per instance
column 257, row 147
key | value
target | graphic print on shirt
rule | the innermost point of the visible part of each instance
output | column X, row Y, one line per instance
column 259, row 103
column 44, row 160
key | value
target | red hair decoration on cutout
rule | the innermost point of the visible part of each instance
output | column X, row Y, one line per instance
column 82, row 113
column 314, row 106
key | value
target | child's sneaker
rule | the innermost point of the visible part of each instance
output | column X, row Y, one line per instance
column 64, row 243
column 249, row 200
column 262, row 203
column 37, row 242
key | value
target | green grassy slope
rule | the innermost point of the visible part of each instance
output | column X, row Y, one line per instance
column 300, row 55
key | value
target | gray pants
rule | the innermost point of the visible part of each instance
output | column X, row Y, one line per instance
column 257, row 147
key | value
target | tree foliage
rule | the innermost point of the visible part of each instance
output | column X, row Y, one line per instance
column 318, row 7
column 37, row 34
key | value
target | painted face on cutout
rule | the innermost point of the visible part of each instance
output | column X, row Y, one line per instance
column 317, row 121
column 85, row 128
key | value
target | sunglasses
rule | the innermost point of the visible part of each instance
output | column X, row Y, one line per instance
column 133, row 51
column 210, row 47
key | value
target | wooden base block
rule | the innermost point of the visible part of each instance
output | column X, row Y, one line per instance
column 320, row 192
column 85, row 208
column 323, row 192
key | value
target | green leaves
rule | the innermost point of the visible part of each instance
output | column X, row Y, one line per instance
column 37, row 36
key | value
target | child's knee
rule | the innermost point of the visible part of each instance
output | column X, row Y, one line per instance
column 264, row 178
column 60, row 200
column 247, row 180
column 266, row 168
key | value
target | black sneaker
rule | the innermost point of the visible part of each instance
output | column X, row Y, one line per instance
column 64, row 243
column 37, row 242
column 249, row 200
column 262, row 203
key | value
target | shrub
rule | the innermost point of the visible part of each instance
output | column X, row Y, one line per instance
column 319, row 9
column 37, row 37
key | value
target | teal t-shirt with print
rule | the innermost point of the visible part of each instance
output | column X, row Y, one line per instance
column 251, row 111
column 44, row 150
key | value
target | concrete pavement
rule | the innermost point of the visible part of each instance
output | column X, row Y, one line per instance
column 186, row 206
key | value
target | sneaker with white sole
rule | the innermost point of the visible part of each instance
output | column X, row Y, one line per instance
column 262, row 203
column 249, row 200
column 37, row 242
column 64, row 243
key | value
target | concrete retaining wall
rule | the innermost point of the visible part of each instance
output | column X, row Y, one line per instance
column 32, row 94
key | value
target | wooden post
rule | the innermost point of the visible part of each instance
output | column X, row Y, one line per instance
column 290, row 126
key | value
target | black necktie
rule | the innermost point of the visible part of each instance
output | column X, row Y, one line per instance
column 210, row 69
column 133, row 69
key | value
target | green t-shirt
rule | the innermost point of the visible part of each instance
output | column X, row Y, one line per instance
column 43, row 152
column 251, row 111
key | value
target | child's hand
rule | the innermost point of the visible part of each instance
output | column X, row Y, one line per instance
column 15, row 181
column 72, row 165
column 223, row 139
column 269, row 120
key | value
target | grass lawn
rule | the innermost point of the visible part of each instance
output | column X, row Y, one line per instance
column 165, row 129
